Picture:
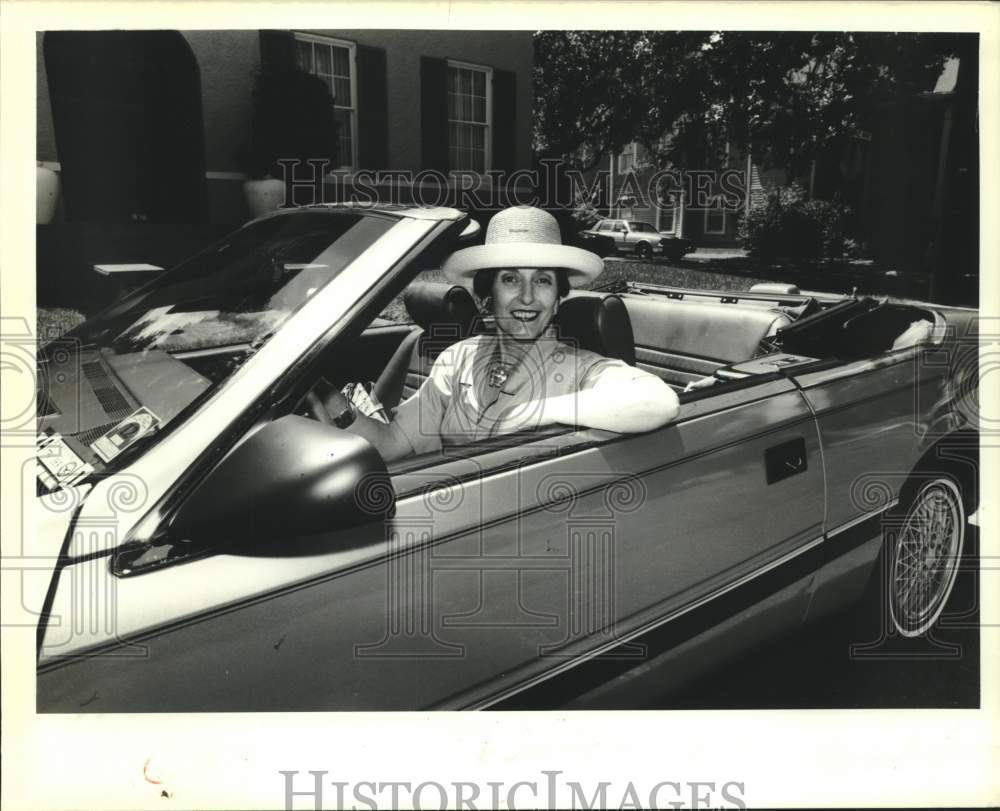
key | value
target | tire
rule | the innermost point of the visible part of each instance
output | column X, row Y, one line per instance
column 923, row 553
column 643, row 250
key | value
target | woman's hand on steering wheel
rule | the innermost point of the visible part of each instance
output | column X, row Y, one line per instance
column 314, row 404
column 324, row 401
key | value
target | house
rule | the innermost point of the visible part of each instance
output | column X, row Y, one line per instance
column 910, row 177
column 143, row 127
column 703, row 205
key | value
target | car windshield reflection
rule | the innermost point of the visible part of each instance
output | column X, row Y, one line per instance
column 117, row 380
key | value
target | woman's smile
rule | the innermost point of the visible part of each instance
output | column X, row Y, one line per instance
column 524, row 301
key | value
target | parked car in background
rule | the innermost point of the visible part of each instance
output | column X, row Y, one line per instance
column 640, row 238
column 601, row 244
column 216, row 544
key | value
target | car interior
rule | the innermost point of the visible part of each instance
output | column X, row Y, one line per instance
column 680, row 336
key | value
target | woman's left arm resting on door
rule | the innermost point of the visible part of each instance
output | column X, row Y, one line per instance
column 619, row 398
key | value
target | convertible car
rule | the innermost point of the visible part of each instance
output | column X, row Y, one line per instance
column 215, row 544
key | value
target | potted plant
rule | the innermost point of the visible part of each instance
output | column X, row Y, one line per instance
column 292, row 119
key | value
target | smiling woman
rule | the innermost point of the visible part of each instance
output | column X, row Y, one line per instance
column 522, row 375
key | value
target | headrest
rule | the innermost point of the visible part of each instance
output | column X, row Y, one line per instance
column 599, row 323
column 438, row 306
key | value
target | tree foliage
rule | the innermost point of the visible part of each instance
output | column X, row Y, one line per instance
column 686, row 94
column 791, row 225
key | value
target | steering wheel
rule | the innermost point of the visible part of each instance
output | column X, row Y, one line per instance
column 314, row 405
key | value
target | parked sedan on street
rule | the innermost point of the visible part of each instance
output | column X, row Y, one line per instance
column 216, row 544
column 640, row 238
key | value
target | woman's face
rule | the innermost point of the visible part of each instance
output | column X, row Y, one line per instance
column 524, row 301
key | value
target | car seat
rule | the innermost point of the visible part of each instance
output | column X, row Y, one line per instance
column 599, row 323
column 444, row 314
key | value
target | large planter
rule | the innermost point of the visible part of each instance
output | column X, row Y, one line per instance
column 47, row 194
column 263, row 196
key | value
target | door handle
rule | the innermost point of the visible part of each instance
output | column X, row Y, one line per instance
column 784, row 460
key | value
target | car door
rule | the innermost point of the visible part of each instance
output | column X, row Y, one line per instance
column 621, row 235
column 497, row 569
column 609, row 538
column 606, row 229
column 875, row 421
column 869, row 415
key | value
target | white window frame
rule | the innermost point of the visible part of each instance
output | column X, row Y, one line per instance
column 718, row 207
column 623, row 167
column 675, row 213
column 455, row 63
column 352, row 49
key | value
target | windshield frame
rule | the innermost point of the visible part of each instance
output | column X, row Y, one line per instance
column 400, row 225
column 135, row 297
column 85, row 338
column 285, row 389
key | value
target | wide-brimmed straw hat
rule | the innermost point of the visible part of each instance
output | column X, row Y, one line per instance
column 523, row 237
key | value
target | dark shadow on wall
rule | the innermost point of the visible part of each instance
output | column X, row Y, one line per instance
column 127, row 116
column 126, row 107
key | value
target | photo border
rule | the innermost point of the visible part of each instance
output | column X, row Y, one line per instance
column 784, row 758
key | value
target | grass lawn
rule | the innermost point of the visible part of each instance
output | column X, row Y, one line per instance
column 656, row 273
column 54, row 321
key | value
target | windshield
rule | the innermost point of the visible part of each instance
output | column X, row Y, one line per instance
column 641, row 226
column 118, row 379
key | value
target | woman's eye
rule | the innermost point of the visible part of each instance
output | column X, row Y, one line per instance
column 546, row 280
column 510, row 278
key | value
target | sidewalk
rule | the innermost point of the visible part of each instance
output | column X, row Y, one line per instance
column 711, row 254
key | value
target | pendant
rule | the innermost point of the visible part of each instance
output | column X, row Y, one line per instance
column 497, row 376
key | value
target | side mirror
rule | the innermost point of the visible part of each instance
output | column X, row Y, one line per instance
column 294, row 477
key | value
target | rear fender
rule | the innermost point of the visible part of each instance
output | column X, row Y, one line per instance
column 955, row 455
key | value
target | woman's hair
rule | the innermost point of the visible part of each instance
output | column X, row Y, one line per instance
column 482, row 282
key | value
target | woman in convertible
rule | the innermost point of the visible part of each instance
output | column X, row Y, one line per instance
column 521, row 377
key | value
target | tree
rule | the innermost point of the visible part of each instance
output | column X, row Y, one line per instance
column 687, row 94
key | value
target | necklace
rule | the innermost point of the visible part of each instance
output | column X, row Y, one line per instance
column 499, row 371
column 497, row 374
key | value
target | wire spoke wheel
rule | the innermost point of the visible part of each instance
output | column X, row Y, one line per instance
column 926, row 556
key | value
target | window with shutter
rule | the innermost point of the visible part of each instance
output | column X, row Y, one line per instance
column 504, row 122
column 277, row 50
column 334, row 61
column 628, row 158
column 470, row 113
column 715, row 217
column 434, row 113
column 373, row 110
column 666, row 215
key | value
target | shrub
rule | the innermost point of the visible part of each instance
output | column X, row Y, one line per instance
column 789, row 225
column 292, row 118
column 584, row 212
